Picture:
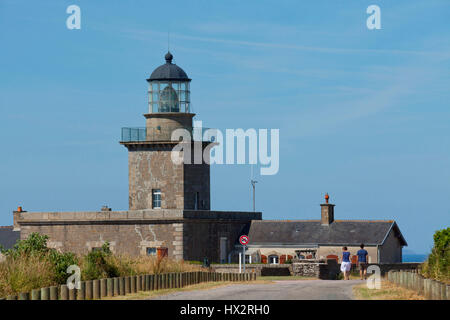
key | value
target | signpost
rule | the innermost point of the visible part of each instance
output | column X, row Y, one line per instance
column 243, row 240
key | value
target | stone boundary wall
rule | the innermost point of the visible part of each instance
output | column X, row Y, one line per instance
column 386, row 267
column 321, row 270
column 111, row 287
column 325, row 270
column 328, row 270
column 249, row 268
column 430, row 289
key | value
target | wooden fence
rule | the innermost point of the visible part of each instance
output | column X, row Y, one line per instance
column 106, row 288
column 430, row 289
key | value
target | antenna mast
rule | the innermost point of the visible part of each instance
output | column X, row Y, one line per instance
column 253, row 183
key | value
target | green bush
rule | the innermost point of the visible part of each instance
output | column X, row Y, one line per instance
column 60, row 262
column 35, row 244
column 97, row 264
column 437, row 265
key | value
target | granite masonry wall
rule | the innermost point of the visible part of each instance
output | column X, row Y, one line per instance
column 188, row 235
column 151, row 167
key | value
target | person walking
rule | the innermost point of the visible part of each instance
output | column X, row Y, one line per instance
column 362, row 261
column 346, row 263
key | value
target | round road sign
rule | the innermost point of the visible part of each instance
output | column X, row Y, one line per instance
column 243, row 240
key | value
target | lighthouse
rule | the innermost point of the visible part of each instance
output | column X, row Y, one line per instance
column 155, row 180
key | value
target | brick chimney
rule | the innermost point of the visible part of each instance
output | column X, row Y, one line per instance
column 17, row 217
column 327, row 212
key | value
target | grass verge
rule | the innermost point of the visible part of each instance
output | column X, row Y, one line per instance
column 388, row 291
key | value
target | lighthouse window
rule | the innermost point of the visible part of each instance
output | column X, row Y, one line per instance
column 156, row 198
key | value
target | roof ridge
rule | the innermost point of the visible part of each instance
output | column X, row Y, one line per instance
column 316, row 220
column 288, row 220
column 364, row 220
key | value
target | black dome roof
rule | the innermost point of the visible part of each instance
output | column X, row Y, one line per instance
column 168, row 71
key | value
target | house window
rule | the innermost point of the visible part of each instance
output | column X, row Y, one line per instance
column 151, row 251
column 156, row 198
column 248, row 258
column 273, row 259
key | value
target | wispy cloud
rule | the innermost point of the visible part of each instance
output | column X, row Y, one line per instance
column 143, row 34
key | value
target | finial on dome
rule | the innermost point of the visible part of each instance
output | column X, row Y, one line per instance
column 168, row 57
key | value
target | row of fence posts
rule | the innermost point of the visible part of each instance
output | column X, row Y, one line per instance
column 106, row 288
column 429, row 288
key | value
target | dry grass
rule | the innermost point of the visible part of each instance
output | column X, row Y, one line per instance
column 388, row 291
column 24, row 273
column 150, row 265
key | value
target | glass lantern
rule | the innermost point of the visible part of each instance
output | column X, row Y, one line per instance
column 168, row 96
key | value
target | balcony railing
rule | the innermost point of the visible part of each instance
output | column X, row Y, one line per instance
column 134, row 134
column 140, row 134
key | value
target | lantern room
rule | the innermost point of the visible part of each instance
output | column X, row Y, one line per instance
column 168, row 88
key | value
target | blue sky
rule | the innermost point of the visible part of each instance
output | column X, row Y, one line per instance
column 363, row 115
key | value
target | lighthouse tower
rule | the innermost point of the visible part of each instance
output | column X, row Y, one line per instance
column 155, row 180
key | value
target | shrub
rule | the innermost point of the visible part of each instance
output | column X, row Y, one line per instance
column 97, row 265
column 60, row 262
column 437, row 265
column 35, row 244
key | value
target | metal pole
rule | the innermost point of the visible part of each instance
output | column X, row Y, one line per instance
column 243, row 255
column 240, row 259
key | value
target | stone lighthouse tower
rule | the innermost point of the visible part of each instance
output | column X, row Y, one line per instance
column 155, row 180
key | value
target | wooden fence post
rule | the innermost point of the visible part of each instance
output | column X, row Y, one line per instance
column 45, row 293
column 64, row 294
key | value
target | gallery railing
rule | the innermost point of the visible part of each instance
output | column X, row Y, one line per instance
column 140, row 134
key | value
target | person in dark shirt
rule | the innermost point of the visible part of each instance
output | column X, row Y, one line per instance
column 346, row 263
column 362, row 261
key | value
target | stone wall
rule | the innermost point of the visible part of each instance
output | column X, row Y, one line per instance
column 129, row 239
column 202, row 238
column 328, row 270
column 407, row 266
column 391, row 250
column 322, row 270
column 151, row 167
column 276, row 269
column 188, row 235
column 197, row 181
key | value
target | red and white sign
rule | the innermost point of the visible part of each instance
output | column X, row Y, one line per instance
column 243, row 240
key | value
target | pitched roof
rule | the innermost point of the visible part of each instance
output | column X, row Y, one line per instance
column 8, row 237
column 312, row 232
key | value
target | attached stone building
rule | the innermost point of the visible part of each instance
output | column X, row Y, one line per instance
column 274, row 241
